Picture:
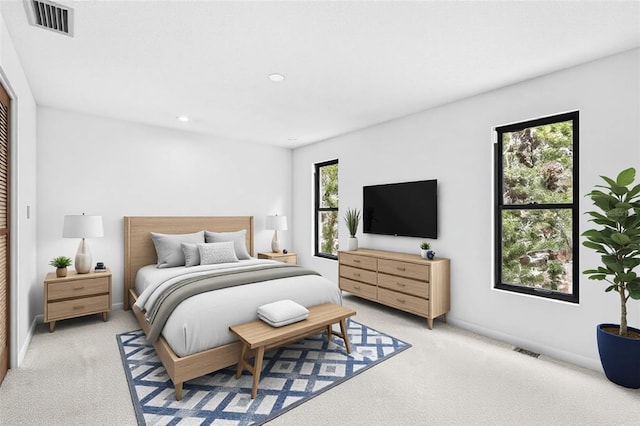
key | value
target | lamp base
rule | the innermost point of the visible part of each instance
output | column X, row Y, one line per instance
column 275, row 244
column 83, row 258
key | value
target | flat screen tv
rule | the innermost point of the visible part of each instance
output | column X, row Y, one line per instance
column 407, row 209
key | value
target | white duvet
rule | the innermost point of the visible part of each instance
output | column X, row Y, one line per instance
column 202, row 322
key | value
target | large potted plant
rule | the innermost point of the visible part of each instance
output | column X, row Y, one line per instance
column 617, row 239
column 352, row 218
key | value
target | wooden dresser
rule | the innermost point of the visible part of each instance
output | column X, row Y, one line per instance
column 76, row 295
column 403, row 281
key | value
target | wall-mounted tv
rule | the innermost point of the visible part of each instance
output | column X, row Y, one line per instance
column 407, row 209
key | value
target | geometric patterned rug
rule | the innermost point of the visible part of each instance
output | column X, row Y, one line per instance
column 291, row 375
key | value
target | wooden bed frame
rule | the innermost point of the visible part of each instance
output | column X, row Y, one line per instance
column 140, row 251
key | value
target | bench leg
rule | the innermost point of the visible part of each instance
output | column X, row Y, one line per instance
column 241, row 361
column 257, row 369
column 345, row 336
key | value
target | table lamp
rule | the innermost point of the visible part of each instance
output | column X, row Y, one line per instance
column 277, row 223
column 82, row 226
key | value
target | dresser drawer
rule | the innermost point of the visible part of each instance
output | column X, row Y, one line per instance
column 77, row 307
column 358, row 288
column 405, row 269
column 404, row 301
column 404, row 285
column 364, row 262
column 358, row 274
column 77, row 288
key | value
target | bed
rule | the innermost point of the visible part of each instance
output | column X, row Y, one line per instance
column 194, row 340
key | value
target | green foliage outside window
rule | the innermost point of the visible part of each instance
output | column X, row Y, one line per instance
column 537, row 188
column 328, row 219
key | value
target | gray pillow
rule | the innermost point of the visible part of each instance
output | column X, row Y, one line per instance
column 191, row 254
column 238, row 238
column 211, row 253
column 169, row 250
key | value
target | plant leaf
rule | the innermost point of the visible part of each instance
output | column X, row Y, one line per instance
column 626, row 177
column 620, row 238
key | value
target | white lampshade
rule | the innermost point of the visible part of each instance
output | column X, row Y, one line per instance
column 276, row 223
column 82, row 226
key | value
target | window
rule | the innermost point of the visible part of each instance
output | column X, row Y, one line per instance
column 536, row 211
column 326, row 209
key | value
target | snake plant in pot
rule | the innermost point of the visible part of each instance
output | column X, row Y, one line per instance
column 352, row 219
column 617, row 240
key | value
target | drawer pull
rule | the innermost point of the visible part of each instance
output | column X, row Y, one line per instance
column 78, row 288
column 401, row 284
column 356, row 260
column 77, row 307
column 401, row 268
column 356, row 274
column 357, row 287
column 400, row 300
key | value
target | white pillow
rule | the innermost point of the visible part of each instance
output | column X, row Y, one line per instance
column 191, row 254
column 211, row 253
column 238, row 238
column 168, row 247
column 282, row 312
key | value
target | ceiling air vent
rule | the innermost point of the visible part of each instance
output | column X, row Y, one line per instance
column 50, row 15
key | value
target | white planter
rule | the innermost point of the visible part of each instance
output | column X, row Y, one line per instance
column 352, row 243
column 423, row 253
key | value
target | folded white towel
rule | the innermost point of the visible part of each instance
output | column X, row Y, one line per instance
column 282, row 312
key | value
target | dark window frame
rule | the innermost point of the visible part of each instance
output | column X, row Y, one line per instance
column 317, row 210
column 499, row 205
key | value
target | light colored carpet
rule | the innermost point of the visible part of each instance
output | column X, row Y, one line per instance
column 74, row 376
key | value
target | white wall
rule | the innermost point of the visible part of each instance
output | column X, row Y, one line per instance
column 453, row 144
column 115, row 168
column 23, row 281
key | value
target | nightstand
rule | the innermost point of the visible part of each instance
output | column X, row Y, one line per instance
column 76, row 295
column 280, row 257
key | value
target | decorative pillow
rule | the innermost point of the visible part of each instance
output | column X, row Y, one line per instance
column 191, row 254
column 282, row 312
column 169, row 250
column 211, row 253
column 238, row 238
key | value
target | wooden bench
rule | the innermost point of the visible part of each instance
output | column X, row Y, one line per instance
column 261, row 336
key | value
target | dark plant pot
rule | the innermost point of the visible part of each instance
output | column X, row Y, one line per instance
column 431, row 254
column 620, row 357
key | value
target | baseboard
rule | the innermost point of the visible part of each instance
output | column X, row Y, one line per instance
column 27, row 341
column 569, row 357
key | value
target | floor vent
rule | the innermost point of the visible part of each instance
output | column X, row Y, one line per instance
column 50, row 15
column 526, row 352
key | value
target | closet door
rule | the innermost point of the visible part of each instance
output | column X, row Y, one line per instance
column 4, row 233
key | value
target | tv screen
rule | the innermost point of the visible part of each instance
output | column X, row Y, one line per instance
column 407, row 209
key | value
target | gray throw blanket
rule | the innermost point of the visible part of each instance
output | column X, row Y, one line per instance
column 172, row 296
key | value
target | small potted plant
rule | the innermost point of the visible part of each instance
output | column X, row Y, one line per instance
column 352, row 218
column 617, row 240
column 61, row 263
column 425, row 252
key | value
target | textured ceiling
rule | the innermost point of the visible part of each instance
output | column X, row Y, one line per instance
column 347, row 65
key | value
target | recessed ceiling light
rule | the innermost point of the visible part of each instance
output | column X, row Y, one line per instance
column 276, row 77
column 183, row 118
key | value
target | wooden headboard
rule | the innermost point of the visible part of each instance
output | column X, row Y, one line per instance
column 140, row 251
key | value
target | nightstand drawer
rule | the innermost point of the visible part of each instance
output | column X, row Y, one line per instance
column 77, row 288
column 77, row 307
column 358, row 274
